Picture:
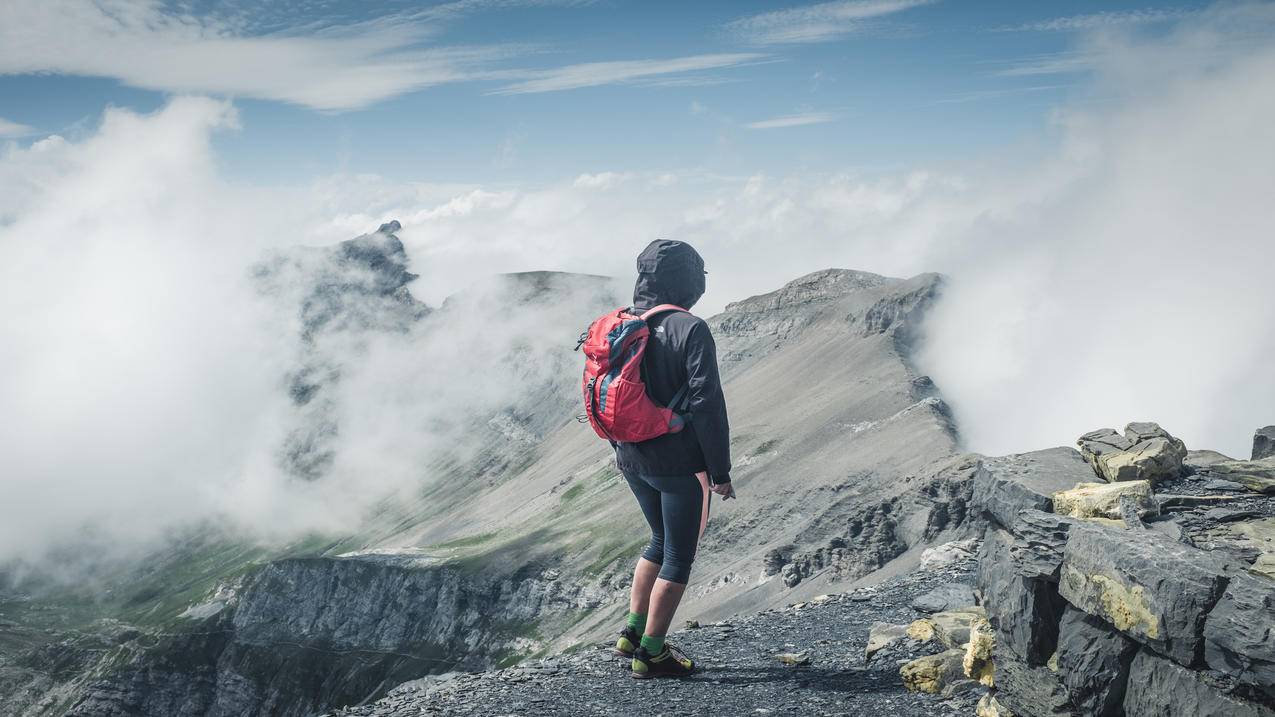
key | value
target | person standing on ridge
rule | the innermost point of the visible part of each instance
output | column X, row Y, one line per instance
column 672, row 475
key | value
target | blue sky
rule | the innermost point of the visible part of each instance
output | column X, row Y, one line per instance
column 510, row 91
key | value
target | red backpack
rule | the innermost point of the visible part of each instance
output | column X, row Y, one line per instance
column 615, row 398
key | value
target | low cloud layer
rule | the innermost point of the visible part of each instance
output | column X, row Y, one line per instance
column 1118, row 273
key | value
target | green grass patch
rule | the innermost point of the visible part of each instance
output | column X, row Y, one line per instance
column 573, row 492
column 468, row 541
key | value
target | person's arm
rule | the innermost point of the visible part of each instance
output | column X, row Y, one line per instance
column 706, row 404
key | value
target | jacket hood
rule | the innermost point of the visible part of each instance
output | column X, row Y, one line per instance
column 669, row 272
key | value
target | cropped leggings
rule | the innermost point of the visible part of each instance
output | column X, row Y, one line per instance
column 676, row 507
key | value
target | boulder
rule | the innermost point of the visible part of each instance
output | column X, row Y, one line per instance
column 1103, row 500
column 1024, row 611
column 1038, row 550
column 951, row 627
column 1152, row 589
column 989, row 706
column 1160, row 688
column 978, row 663
column 1145, row 452
column 948, row 553
column 1264, row 443
column 882, row 635
column 1093, row 663
column 1257, row 476
column 1199, row 460
column 1239, row 634
column 1006, row 485
column 1030, row 691
column 945, row 597
column 930, row 674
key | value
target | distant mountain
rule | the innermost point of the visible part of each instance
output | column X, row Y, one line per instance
column 522, row 542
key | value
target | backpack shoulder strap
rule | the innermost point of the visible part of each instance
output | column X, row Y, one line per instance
column 660, row 309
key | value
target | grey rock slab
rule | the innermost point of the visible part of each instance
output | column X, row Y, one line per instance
column 1008, row 484
column 1024, row 611
column 1030, row 691
column 945, row 597
column 1160, row 688
column 1093, row 663
column 1264, row 443
column 1153, row 589
column 1038, row 550
column 1197, row 460
column 1239, row 634
column 1257, row 476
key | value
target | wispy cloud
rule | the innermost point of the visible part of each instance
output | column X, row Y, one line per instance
column 979, row 95
column 796, row 120
column 322, row 66
column 1058, row 63
column 9, row 128
column 1097, row 20
column 816, row 23
column 593, row 74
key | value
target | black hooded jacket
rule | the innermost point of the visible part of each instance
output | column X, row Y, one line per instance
column 680, row 352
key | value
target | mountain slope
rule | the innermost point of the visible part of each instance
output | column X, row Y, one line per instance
column 523, row 536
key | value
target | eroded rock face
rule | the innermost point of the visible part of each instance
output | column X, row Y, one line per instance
column 1041, row 537
column 1239, row 635
column 1160, row 688
column 947, row 597
column 1148, row 587
column 1145, row 452
column 1093, row 662
column 1029, row 691
column 1025, row 612
column 1264, row 443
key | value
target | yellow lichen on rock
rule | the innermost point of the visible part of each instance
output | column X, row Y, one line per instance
column 930, row 674
column 1102, row 500
column 1125, row 607
column 921, row 630
column 977, row 662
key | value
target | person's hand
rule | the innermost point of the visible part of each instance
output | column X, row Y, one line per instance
column 725, row 490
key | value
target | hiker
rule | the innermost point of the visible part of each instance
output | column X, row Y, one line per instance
column 673, row 474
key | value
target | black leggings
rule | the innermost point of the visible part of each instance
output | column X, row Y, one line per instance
column 677, row 509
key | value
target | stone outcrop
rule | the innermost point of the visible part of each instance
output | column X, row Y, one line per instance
column 1239, row 634
column 1144, row 452
column 1258, row 475
column 1264, row 443
column 1162, row 688
column 1105, row 599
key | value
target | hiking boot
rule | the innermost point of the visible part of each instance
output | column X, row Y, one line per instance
column 628, row 642
column 669, row 663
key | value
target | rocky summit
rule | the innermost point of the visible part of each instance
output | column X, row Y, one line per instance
column 870, row 566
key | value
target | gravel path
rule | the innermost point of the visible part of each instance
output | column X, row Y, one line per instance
column 741, row 673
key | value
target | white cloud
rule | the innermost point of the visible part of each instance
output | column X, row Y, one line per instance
column 9, row 128
column 1098, row 20
column 592, row 74
column 816, row 23
column 796, row 120
column 326, row 68
column 1121, row 276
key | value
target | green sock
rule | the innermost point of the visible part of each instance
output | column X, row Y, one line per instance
column 637, row 621
column 654, row 645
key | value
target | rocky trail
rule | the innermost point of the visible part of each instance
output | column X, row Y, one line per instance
column 745, row 662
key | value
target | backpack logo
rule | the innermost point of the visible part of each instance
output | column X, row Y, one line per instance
column 616, row 403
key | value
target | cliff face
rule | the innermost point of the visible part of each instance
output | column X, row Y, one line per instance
column 1131, row 578
column 845, row 459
